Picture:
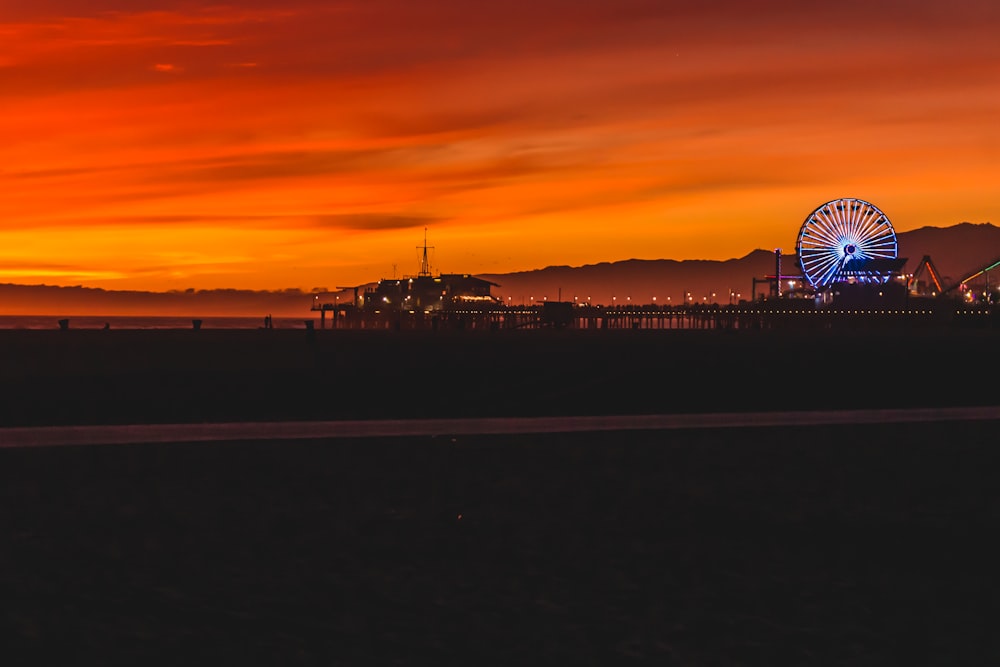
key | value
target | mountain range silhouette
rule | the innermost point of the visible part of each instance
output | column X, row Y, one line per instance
column 956, row 251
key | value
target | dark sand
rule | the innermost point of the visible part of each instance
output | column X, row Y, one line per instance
column 102, row 377
column 847, row 545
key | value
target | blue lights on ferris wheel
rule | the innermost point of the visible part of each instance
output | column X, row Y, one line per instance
column 843, row 240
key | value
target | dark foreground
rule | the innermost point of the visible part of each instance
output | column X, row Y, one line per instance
column 162, row 376
column 766, row 546
column 842, row 545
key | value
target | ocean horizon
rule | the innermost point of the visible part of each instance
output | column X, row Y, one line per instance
column 41, row 322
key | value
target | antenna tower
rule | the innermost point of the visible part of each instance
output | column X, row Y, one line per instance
column 425, row 266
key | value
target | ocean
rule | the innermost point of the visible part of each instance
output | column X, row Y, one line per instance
column 145, row 322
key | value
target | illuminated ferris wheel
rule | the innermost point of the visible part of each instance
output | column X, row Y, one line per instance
column 841, row 240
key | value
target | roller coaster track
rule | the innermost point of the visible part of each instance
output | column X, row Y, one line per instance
column 928, row 264
column 972, row 275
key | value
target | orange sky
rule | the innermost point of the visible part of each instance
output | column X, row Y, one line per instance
column 308, row 143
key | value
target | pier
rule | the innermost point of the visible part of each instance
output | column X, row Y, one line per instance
column 765, row 315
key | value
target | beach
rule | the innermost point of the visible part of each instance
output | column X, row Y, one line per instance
column 180, row 375
column 841, row 544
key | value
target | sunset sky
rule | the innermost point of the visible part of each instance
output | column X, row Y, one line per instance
column 161, row 145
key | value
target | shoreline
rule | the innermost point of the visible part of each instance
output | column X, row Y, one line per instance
column 142, row 434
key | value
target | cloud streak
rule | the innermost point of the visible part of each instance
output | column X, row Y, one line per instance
column 308, row 142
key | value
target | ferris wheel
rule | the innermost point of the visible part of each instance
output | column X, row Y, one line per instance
column 840, row 237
